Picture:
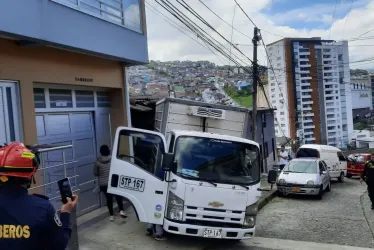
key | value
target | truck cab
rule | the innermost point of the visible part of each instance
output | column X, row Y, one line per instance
column 197, row 184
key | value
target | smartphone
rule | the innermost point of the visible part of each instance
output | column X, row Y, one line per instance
column 65, row 190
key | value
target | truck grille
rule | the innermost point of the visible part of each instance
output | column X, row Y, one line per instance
column 208, row 216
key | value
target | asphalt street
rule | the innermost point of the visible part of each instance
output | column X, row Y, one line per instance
column 336, row 222
column 338, row 218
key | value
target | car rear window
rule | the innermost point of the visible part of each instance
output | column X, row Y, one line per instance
column 360, row 158
column 307, row 153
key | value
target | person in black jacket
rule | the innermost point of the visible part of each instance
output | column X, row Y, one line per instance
column 30, row 222
column 367, row 175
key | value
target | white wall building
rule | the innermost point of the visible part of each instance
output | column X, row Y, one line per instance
column 313, row 94
column 361, row 96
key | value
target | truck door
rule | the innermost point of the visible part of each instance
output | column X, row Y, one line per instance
column 136, row 172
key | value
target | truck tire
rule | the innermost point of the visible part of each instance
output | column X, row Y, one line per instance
column 349, row 175
column 280, row 194
column 341, row 177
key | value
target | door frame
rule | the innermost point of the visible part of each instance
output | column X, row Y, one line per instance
column 16, row 108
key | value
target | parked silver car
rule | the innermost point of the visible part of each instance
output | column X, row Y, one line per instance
column 304, row 176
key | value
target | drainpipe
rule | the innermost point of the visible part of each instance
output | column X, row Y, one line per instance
column 127, row 95
column 126, row 88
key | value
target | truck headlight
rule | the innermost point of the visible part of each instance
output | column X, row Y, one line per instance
column 175, row 207
column 310, row 183
column 251, row 209
column 282, row 181
column 249, row 221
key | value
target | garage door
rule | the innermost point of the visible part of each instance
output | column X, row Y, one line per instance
column 75, row 129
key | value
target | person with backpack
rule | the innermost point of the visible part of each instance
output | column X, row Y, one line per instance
column 283, row 157
column 101, row 170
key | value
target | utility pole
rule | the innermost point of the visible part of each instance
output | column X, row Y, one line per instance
column 255, row 40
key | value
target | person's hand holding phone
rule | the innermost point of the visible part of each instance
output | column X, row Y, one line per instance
column 70, row 204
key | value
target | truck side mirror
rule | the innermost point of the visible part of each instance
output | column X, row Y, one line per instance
column 168, row 162
column 272, row 176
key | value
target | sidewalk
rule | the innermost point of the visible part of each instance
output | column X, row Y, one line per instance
column 266, row 196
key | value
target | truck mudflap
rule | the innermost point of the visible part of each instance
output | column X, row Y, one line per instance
column 208, row 232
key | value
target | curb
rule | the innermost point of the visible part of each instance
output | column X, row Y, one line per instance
column 262, row 202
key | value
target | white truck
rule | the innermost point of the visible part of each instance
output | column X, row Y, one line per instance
column 192, row 182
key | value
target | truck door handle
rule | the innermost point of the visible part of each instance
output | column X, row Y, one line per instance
column 158, row 192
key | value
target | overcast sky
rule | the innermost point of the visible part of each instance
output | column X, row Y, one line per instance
column 289, row 18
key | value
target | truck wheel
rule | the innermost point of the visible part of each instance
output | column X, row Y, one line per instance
column 349, row 175
column 341, row 177
column 280, row 194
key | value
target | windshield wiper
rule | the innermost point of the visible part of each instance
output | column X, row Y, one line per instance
column 197, row 178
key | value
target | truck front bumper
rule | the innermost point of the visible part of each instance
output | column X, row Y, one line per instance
column 198, row 231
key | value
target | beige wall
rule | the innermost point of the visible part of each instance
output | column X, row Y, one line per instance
column 49, row 65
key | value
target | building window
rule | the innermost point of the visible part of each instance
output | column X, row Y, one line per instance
column 84, row 99
column 39, row 98
column 125, row 13
column 60, row 98
column 103, row 100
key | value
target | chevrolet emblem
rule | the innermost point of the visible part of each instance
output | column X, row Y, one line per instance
column 215, row 204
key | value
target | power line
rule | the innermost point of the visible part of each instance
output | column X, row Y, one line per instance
column 261, row 84
column 232, row 30
column 178, row 27
column 245, row 14
column 188, row 8
column 333, row 17
column 202, row 34
column 224, row 20
column 349, row 11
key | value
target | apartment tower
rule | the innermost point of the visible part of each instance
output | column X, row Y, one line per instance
column 310, row 88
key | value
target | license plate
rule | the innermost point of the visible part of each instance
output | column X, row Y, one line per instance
column 132, row 183
column 212, row 233
column 295, row 189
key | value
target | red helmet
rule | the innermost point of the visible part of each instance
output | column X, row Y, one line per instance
column 16, row 160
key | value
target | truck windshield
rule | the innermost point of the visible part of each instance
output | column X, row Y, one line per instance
column 215, row 160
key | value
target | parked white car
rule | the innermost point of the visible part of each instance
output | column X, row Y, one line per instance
column 333, row 157
column 305, row 176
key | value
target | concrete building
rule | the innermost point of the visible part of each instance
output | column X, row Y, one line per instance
column 361, row 92
column 313, row 96
column 63, row 67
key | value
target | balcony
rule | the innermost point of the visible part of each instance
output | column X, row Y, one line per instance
column 308, row 114
column 305, row 78
column 306, row 96
column 303, row 59
column 305, row 84
column 308, row 133
column 307, row 65
column 308, row 126
column 307, row 102
column 110, row 29
column 309, row 138
column 307, row 108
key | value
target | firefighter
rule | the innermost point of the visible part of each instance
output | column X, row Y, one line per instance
column 367, row 175
column 28, row 221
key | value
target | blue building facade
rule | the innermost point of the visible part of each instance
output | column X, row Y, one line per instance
column 63, row 81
